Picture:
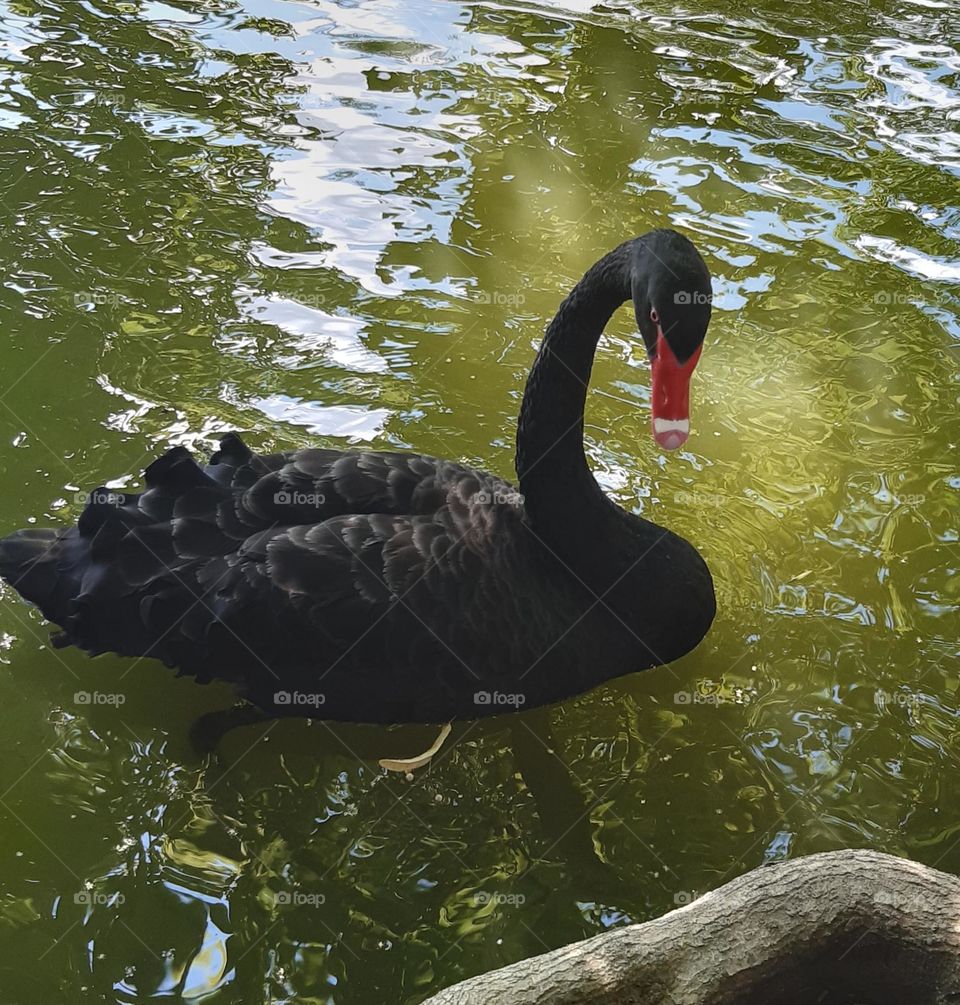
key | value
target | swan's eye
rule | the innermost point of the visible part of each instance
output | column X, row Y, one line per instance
column 654, row 316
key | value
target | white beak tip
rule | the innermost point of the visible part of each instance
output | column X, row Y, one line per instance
column 670, row 433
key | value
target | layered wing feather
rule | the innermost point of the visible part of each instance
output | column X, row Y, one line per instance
column 362, row 579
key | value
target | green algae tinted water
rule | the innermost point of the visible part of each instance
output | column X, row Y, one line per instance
column 347, row 223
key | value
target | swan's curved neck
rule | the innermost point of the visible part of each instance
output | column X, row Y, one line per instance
column 555, row 478
column 651, row 587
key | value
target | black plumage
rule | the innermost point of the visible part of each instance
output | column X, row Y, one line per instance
column 391, row 587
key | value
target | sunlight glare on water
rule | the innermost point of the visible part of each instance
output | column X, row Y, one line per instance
column 348, row 223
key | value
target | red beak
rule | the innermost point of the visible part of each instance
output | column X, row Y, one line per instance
column 671, row 394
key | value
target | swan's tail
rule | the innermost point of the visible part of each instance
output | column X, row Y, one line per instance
column 31, row 561
column 26, row 564
column 124, row 577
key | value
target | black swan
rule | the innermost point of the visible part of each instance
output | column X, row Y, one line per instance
column 377, row 587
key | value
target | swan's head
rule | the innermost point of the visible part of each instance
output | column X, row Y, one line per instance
column 672, row 300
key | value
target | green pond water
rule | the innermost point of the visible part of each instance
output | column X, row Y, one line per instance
column 348, row 223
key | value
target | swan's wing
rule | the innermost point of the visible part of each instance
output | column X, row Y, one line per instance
column 381, row 613
column 350, row 577
column 256, row 585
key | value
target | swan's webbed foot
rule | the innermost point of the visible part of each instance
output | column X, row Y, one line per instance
column 407, row 765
